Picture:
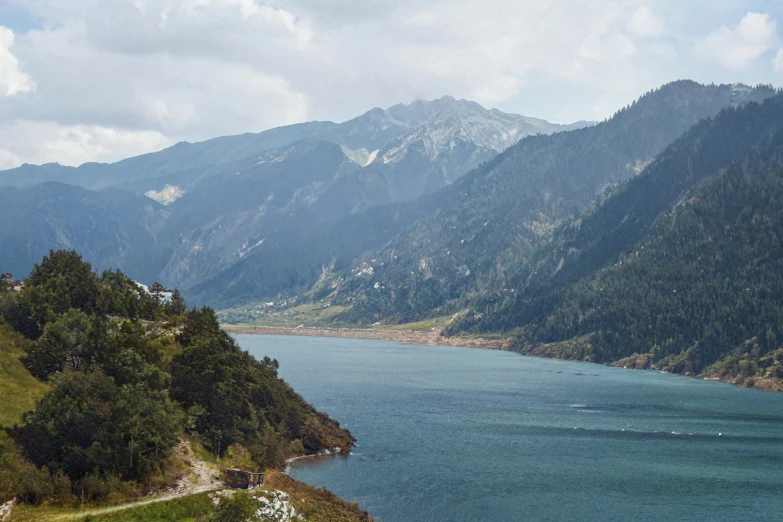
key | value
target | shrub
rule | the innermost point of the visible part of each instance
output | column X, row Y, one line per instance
column 239, row 507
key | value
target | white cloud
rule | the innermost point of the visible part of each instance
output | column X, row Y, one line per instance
column 8, row 159
column 12, row 80
column 49, row 142
column 172, row 70
column 736, row 47
column 167, row 195
column 644, row 22
column 777, row 62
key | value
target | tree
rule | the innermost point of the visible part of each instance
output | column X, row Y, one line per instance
column 178, row 306
column 61, row 281
column 157, row 291
column 67, row 342
column 88, row 425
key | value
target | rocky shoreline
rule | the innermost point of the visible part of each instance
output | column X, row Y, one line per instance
column 433, row 337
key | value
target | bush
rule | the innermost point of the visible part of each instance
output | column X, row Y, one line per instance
column 239, row 507
column 21, row 479
column 97, row 487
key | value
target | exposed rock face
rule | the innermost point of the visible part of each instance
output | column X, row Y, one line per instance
column 272, row 505
column 637, row 361
column 6, row 509
column 275, row 506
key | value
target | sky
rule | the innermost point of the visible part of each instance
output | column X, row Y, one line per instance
column 101, row 80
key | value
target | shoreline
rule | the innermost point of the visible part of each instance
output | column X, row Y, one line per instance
column 434, row 338
column 431, row 338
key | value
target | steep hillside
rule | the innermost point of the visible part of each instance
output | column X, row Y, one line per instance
column 111, row 227
column 672, row 271
column 15, row 381
column 592, row 240
column 124, row 375
column 477, row 235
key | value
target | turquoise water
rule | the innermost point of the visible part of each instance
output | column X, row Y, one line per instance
column 454, row 434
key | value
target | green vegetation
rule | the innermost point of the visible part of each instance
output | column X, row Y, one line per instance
column 475, row 238
column 315, row 504
column 308, row 314
column 239, row 400
column 193, row 508
column 15, row 380
column 420, row 326
column 123, row 375
column 680, row 269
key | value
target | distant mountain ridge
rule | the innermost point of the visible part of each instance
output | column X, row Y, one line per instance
column 264, row 199
column 373, row 130
column 479, row 233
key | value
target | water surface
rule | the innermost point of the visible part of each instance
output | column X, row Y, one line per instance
column 463, row 435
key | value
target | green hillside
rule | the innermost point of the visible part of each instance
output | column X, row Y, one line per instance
column 479, row 234
column 20, row 390
column 115, row 378
column 681, row 269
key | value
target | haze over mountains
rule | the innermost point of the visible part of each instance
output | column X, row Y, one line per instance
column 262, row 196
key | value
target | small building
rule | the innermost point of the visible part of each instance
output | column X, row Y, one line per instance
column 243, row 479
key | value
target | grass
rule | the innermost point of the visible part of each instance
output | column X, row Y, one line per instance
column 420, row 326
column 315, row 504
column 20, row 390
column 193, row 508
column 308, row 314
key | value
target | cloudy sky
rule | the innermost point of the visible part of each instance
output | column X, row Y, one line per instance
column 99, row 80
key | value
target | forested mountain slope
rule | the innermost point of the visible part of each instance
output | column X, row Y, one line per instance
column 477, row 235
column 111, row 227
column 681, row 269
column 593, row 240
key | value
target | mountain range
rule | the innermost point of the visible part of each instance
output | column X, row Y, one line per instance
column 476, row 237
column 651, row 239
column 264, row 197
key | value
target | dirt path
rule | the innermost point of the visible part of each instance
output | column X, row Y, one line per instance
column 199, row 479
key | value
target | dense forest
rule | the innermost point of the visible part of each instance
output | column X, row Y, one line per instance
column 679, row 269
column 127, row 374
column 486, row 226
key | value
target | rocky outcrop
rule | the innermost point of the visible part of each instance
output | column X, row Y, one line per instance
column 637, row 361
column 5, row 510
column 272, row 505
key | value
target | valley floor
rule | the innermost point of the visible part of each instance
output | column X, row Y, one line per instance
column 430, row 337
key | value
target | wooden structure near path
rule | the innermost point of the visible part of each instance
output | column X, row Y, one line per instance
column 243, row 479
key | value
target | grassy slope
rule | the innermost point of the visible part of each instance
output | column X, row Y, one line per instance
column 309, row 314
column 191, row 508
column 15, row 380
column 315, row 504
column 418, row 326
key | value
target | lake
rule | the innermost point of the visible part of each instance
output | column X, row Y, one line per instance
column 466, row 435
